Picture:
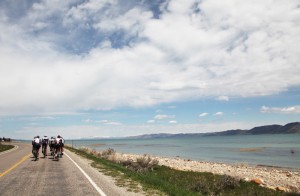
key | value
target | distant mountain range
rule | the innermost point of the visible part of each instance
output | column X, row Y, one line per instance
column 267, row 129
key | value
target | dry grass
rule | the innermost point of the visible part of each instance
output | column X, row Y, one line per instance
column 142, row 164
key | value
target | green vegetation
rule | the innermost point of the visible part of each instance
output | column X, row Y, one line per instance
column 4, row 147
column 167, row 181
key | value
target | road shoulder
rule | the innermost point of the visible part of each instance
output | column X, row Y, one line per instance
column 105, row 182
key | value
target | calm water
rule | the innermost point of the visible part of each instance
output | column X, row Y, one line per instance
column 273, row 150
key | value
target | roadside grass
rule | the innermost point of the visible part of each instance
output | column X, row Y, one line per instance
column 163, row 180
column 4, row 147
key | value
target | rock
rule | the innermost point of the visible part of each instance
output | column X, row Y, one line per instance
column 279, row 188
column 271, row 187
column 257, row 181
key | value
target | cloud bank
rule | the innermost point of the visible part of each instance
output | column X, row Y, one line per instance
column 281, row 110
column 70, row 56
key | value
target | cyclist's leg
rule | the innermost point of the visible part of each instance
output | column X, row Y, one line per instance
column 38, row 150
column 34, row 151
column 55, row 150
column 45, row 149
column 58, row 150
column 62, row 148
column 50, row 147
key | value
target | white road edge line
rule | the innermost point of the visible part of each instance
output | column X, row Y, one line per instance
column 89, row 178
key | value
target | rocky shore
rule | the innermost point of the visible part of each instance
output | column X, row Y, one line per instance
column 280, row 179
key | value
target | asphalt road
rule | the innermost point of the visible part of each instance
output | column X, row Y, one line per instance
column 71, row 175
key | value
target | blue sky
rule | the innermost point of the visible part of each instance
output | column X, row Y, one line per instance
column 107, row 68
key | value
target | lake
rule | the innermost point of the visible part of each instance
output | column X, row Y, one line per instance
column 281, row 150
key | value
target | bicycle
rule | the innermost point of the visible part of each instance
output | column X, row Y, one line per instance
column 44, row 150
column 35, row 153
column 57, row 153
column 51, row 150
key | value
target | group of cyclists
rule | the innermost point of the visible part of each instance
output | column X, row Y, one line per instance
column 56, row 145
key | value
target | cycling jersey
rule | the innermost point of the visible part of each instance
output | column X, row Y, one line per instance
column 52, row 141
column 37, row 140
column 45, row 141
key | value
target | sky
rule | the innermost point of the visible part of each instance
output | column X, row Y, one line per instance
column 114, row 68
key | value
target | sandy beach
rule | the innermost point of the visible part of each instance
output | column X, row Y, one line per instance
column 281, row 179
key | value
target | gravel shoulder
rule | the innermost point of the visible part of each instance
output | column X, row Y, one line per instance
column 106, row 182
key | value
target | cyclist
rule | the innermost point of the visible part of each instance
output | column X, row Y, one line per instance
column 45, row 142
column 33, row 145
column 52, row 145
column 36, row 143
column 60, row 144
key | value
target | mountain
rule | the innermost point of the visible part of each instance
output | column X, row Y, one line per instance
column 276, row 129
column 148, row 136
column 291, row 128
column 267, row 129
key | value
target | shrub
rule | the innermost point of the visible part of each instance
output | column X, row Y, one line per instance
column 227, row 182
column 93, row 152
column 84, row 149
column 142, row 164
column 108, row 153
column 201, row 186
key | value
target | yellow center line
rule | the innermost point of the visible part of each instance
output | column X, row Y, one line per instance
column 15, row 165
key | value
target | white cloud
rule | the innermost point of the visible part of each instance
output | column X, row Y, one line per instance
column 36, row 118
column 218, row 113
column 108, row 122
column 104, row 122
column 183, row 55
column 113, row 123
column 223, row 98
column 132, row 22
column 282, row 110
column 159, row 111
column 33, row 124
column 151, row 121
column 171, row 107
column 173, row 122
column 163, row 116
column 87, row 120
column 203, row 114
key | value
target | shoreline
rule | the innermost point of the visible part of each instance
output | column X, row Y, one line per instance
column 273, row 177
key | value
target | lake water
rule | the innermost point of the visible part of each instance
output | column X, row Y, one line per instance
column 282, row 150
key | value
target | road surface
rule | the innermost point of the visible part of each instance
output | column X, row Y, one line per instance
column 71, row 175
